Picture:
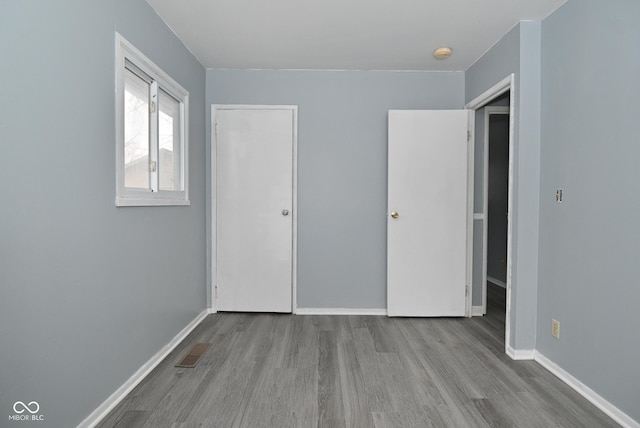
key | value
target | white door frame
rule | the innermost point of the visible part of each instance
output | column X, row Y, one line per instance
column 505, row 85
column 488, row 112
column 294, row 245
column 470, row 208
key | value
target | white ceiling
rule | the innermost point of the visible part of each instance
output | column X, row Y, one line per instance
column 344, row 34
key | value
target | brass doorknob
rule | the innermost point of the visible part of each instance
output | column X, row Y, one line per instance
column 395, row 214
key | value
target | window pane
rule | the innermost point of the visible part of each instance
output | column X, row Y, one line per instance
column 136, row 132
column 169, row 142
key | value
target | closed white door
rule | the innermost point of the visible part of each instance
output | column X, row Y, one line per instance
column 428, row 213
column 254, row 155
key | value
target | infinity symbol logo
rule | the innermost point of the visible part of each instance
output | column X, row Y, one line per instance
column 19, row 404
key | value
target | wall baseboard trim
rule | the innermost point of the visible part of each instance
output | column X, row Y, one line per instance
column 497, row 282
column 340, row 311
column 103, row 410
column 477, row 311
column 594, row 398
column 521, row 354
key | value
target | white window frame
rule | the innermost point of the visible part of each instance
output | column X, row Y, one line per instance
column 125, row 51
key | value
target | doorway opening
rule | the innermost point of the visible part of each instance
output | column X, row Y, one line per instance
column 495, row 207
column 493, row 204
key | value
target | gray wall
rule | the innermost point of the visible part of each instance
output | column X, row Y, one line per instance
column 589, row 244
column 89, row 291
column 342, row 167
column 518, row 52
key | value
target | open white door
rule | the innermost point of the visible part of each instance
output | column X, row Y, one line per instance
column 254, row 164
column 428, row 213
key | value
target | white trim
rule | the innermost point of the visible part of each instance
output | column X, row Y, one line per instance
column 471, row 126
column 340, row 311
column 127, row 197
column 505, row 85
column 521, row 354
column 485, row 211
column 154, row 132
column 510, row 254
column 497, row 282
column 103, row 410
column 477, row 311
column 294, row 236
column 593, row 397
column 132, row 202
column 294, row 213
column 502, row 87
column 213, row 170
column 149, row 67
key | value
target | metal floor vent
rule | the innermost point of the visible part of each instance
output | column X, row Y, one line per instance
column 191, row 359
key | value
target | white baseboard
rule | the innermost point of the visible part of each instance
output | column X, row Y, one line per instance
column 477, row 311
column 103, row 410
column 340, row 311
column 521, row 354
column 609, row 409
column 496, row 282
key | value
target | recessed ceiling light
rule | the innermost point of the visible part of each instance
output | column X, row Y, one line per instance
column 442, row 53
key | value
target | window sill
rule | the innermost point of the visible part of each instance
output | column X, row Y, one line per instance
column 139, row 202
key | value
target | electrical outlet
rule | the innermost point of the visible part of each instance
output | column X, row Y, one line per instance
column 555, row 329
column 559, row 196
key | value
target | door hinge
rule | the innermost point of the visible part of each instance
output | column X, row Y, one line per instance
column 466, row 290
column 468, row 136
column 216, row 128
column 215, row 291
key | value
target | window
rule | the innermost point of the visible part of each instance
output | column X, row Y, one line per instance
column 151, row 132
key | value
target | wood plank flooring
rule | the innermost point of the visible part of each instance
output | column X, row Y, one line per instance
column 265, row 370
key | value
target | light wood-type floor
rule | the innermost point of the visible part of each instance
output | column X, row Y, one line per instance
column 266, row 370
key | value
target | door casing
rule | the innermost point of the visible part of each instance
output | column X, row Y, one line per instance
column 505, row 85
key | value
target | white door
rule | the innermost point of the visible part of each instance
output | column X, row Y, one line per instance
column 254, row 158
column 428, row 213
